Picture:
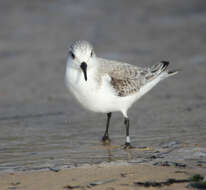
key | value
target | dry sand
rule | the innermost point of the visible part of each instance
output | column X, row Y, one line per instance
column 108, row 177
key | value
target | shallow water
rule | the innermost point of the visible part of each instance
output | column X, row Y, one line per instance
column 42, row 126
column 47, row 137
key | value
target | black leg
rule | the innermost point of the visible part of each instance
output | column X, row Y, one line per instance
column 105, row 138
column 127, row 143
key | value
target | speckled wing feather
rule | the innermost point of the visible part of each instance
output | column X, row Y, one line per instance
column 127, row 79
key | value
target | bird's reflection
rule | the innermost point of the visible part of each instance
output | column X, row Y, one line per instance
column 111, row 150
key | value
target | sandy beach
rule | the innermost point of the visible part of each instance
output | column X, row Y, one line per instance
column 104, row 176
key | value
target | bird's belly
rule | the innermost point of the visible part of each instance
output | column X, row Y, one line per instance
column 101, row 100
column 94, row 96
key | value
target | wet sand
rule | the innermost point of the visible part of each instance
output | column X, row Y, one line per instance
column 43, row 129
column 119, row 176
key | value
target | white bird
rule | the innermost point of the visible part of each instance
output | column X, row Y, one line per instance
column 107, row 86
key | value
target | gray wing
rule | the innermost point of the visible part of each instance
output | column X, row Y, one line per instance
column 127, row 79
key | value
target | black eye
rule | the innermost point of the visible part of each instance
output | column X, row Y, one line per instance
column 72, row 55
column 91, row 53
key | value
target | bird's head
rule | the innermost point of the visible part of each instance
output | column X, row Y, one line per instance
column 81, row 56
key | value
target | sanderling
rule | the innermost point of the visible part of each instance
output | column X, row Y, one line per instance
column 107, row 86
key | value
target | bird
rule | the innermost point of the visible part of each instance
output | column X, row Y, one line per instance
column 107, row 86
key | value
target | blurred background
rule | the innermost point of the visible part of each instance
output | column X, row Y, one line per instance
column 40, row 122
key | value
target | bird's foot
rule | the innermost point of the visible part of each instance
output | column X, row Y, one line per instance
column 106, row 140
column 128, row 146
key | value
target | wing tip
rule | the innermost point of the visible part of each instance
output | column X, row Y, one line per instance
column 165, row 64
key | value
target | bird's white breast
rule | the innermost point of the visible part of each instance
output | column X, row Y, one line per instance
column 88, row 93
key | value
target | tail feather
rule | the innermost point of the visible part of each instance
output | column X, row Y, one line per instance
column 165, row 65
column 172, row 72
column 161, row 68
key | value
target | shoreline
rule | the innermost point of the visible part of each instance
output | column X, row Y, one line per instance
column 116, row 175
column 178, row 155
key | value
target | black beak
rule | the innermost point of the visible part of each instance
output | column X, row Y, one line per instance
column 84, row 69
